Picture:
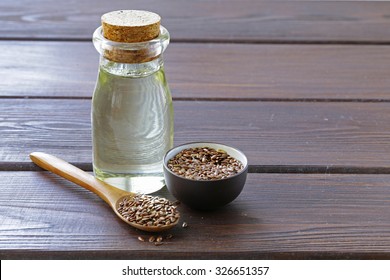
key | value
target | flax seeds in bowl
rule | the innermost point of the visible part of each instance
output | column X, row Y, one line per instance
column 205, row 175
column 204, row 163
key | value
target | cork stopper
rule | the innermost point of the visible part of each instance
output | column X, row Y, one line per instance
column 130, row 26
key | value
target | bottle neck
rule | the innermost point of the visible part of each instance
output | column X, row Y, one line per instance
column 131, row 59
column 132, row 70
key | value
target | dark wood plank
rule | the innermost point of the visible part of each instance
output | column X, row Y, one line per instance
column 232, row 20
column 276, row 216
column 209, row 71
column 323, row 134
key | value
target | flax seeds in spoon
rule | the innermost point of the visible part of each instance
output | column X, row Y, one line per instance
column 147, row 210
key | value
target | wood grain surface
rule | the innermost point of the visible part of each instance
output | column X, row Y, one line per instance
column 207, row 20
column 301, row 87
column 276, row 216
column 270, row 133
column 208, row 71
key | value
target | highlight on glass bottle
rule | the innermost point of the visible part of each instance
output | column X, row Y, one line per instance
column 132, row 113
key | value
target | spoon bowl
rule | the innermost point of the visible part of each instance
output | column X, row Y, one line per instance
column 110, row 194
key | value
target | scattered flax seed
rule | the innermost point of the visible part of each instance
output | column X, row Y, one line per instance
column 156, row 240
column 204, row 164
column 169, row 236
column 159, row 239
column 184, row 225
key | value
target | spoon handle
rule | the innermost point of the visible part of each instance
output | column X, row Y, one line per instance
column 72, row 173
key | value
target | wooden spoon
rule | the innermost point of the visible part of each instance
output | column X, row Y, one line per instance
column 112, row 195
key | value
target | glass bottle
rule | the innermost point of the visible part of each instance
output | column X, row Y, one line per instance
column 132, row 113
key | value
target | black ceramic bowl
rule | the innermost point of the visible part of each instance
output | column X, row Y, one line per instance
column 205, row 194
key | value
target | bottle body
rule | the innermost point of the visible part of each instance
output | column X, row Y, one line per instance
column 132, row 124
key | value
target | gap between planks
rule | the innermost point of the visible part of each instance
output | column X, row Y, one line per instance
column 219, row 41
column 216, row 99
column 281, row 169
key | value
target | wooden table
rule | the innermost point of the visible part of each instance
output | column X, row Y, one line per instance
column 302, row 88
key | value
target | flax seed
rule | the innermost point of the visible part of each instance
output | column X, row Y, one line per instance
column 169, row 236
column 140, row 238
